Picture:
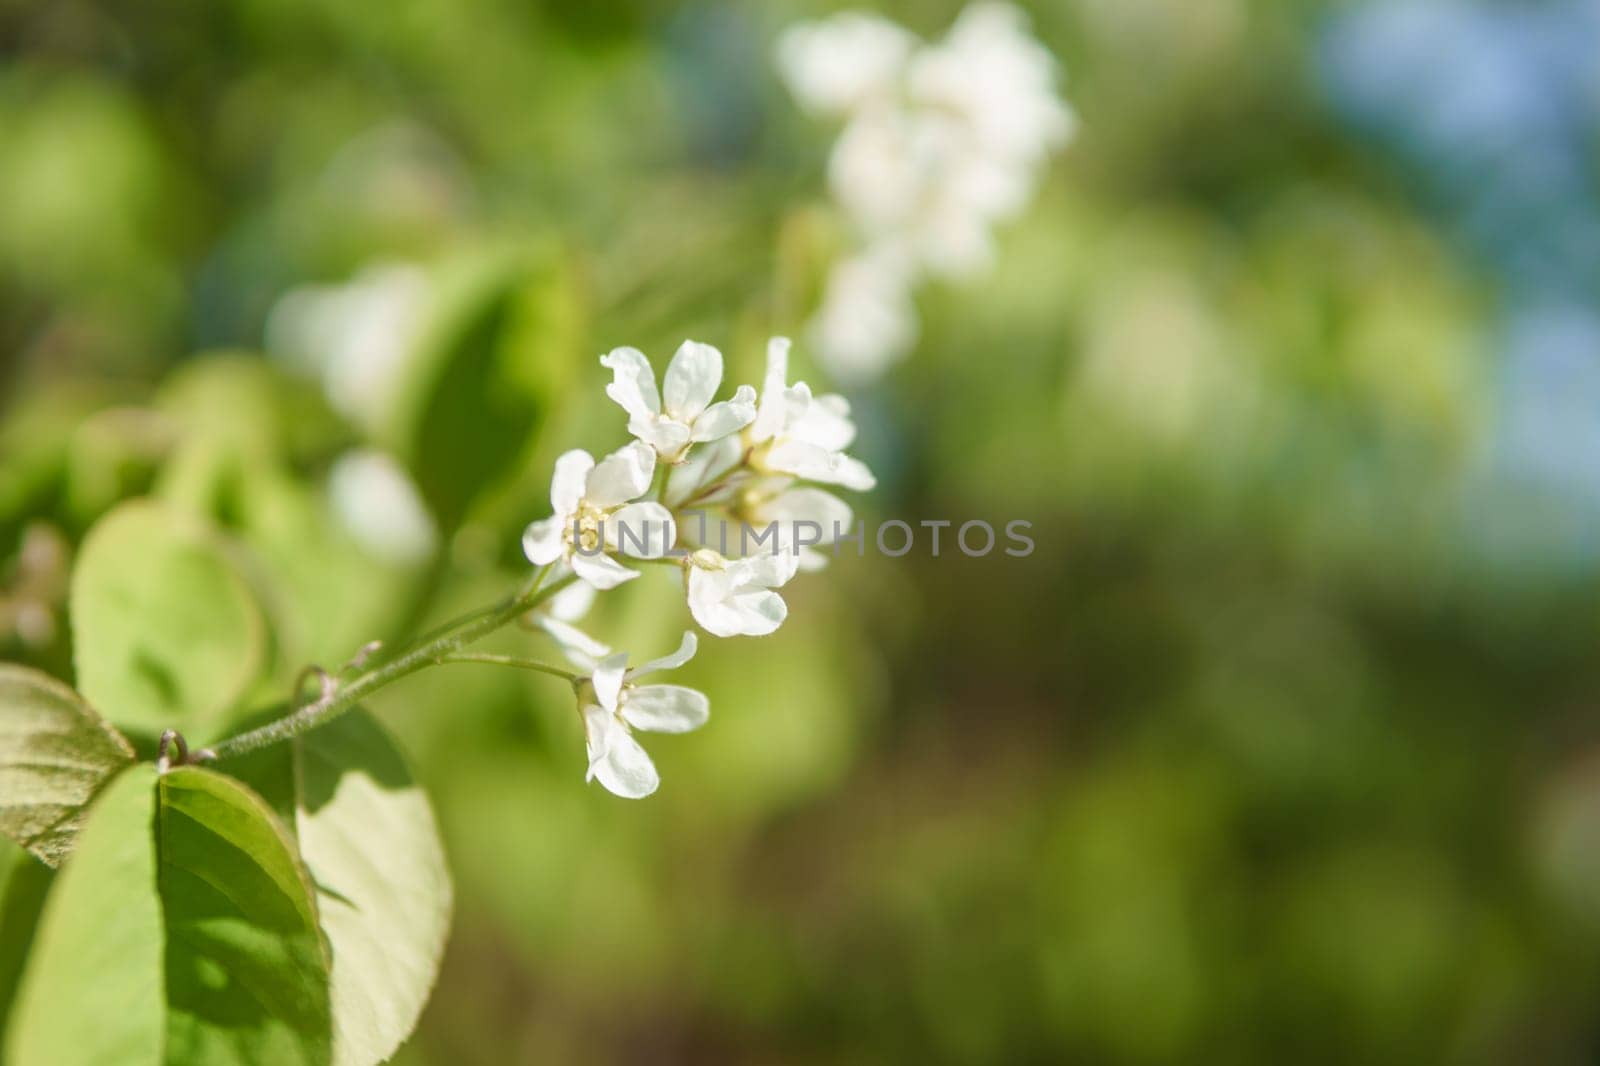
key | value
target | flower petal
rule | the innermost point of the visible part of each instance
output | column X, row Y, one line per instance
column 571, row 603
column 665, row 708
column 633, row 382
column 826, row 423
column 708, row 602
column 758, row 613
column 693, row 378
column 772, row 411
column 541, row 541
column 566, row 485
column 853, row 474
column 831, row 515
column 685, row 652
column 601, row 571
column 625, row 770
column 664, row 435
column 733, row 602
column 729, row 416
column 803, row 460
column 764, row 570
column 600, row 730
column 843, row 62
column 812, row 560
column 643, row 530
column 796, row 401
column 607, row 679
column 621, row 476
column 580, row 649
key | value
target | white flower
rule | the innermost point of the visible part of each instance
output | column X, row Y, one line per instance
column 867, row 319
column 355, row 336
column 840, row 63
column 594, row 518
column 990, row 70
column 688, row 416
column 806, row 518
column 802, row 435
column 703, row 478
column 377, row 503
column 919, row 184
column 614, row 705
column 734, row 597
column 941, row 142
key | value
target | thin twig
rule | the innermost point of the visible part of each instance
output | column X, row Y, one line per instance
column 491, row 659
column 450, row 639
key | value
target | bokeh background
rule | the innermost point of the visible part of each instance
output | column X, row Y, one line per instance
column 1283, row 746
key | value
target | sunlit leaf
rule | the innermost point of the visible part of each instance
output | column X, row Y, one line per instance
column 166, row 632
column 367, row 834
column 92, row 990
column 246, row 968
column 55, row 753
column 183, row 930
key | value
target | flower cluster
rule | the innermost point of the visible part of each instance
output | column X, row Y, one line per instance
column 749, row 461
column 941, row 141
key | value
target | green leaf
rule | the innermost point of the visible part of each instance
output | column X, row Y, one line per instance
column 330, row 596
column 35, row 440
column 483, row 377
column 239, row 403
column 91, row 992
column 246, row 967
column 55, row 753
column 183, row 930
column 23, row 883
column 368, row 836
column 166, row 631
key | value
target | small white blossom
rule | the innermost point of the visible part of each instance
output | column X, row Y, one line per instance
column 993, row 73
column 839, row 64
column 867, row 319
column 377, row 503
column 922, row 193
column 682, row 413
column 594, row 517
column 614, row 704
column 356, row 336
column 805, row 517
column 802, row 435
column 734, row 597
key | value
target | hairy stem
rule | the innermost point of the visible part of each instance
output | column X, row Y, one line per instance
column 430, row 650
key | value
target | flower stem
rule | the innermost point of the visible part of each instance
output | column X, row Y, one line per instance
column 658, row 487
column 430, row 650
column 509, row 660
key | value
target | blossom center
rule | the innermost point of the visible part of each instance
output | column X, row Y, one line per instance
column 583, row 532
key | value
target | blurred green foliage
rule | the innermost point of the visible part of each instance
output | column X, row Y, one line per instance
column 1257, row 759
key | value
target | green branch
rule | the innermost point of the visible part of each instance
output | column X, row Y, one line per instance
column 437, row 647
